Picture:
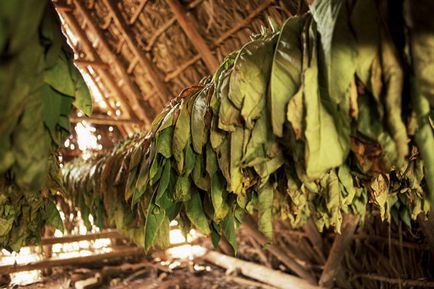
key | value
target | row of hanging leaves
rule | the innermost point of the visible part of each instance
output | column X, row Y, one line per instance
column 331, row 114
column 39, row 87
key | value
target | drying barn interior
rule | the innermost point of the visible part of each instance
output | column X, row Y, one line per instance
column 216, row 144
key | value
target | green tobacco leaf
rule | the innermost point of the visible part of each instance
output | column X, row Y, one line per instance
column 181, row 136
column 198, row 111
column 249, row 80
column 52, row 216
column 196, row 214
column 218, row 197
column 228, row 227
column 229, row 115
column 285, row 74
column 154, row 220
column 51, row 108
column 164, row 142
column 59, row 76
column 182, row 188
column 325, row 146
column 236, row 175
column 265, row 210
column 83, row 100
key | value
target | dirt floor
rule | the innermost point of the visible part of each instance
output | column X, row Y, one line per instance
column 175, row 274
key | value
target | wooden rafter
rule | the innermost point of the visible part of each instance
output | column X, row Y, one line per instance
column 136, row 94
column 189, row 26
column 264, row 5
column 105, row 120
column 84, row 62
column 105, row 75
column 151, row 72
column 137, row 12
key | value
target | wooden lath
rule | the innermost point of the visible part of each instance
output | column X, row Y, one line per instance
column 189, row 26
column 135, row 93
column 151, row 73
column 105, row 120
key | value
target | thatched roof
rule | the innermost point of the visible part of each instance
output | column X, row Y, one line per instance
column 142, row 53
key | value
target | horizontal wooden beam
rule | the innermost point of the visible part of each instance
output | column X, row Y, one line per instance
column 189, row 26
column 92, row 63
column 50, row 263
column 104, row 120
column 78, row 238
column 171, row 75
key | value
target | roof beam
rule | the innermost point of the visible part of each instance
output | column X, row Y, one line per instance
column 136, row 93
column 151, row 72
column 189, row 26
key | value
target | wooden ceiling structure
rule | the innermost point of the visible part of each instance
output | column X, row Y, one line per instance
column 141, row 53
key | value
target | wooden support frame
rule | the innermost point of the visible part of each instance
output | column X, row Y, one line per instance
column 340, row 245
column 105, row 75
column 151, row 72
column 136, row 94
column 189, row 26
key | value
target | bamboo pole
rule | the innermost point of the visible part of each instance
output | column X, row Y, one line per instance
column 258, row 272
column 189, row 26
column 151, row 72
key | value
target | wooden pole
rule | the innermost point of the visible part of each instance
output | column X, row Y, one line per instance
column 151, row 72
column 315, row 239
column 92, row 63
column 138, row 11
column 50, row 263
column 77, row 238
column 104, row 120
column 340, row 245
column 258, row 272
column 136, row 94
column 189, row 25
column 250, row 226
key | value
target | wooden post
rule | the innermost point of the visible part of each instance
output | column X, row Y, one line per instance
column 152, row 74
column 250, row 226
column 136, row 94
column 340, row 245
column 258, row 272
column 189, row 25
